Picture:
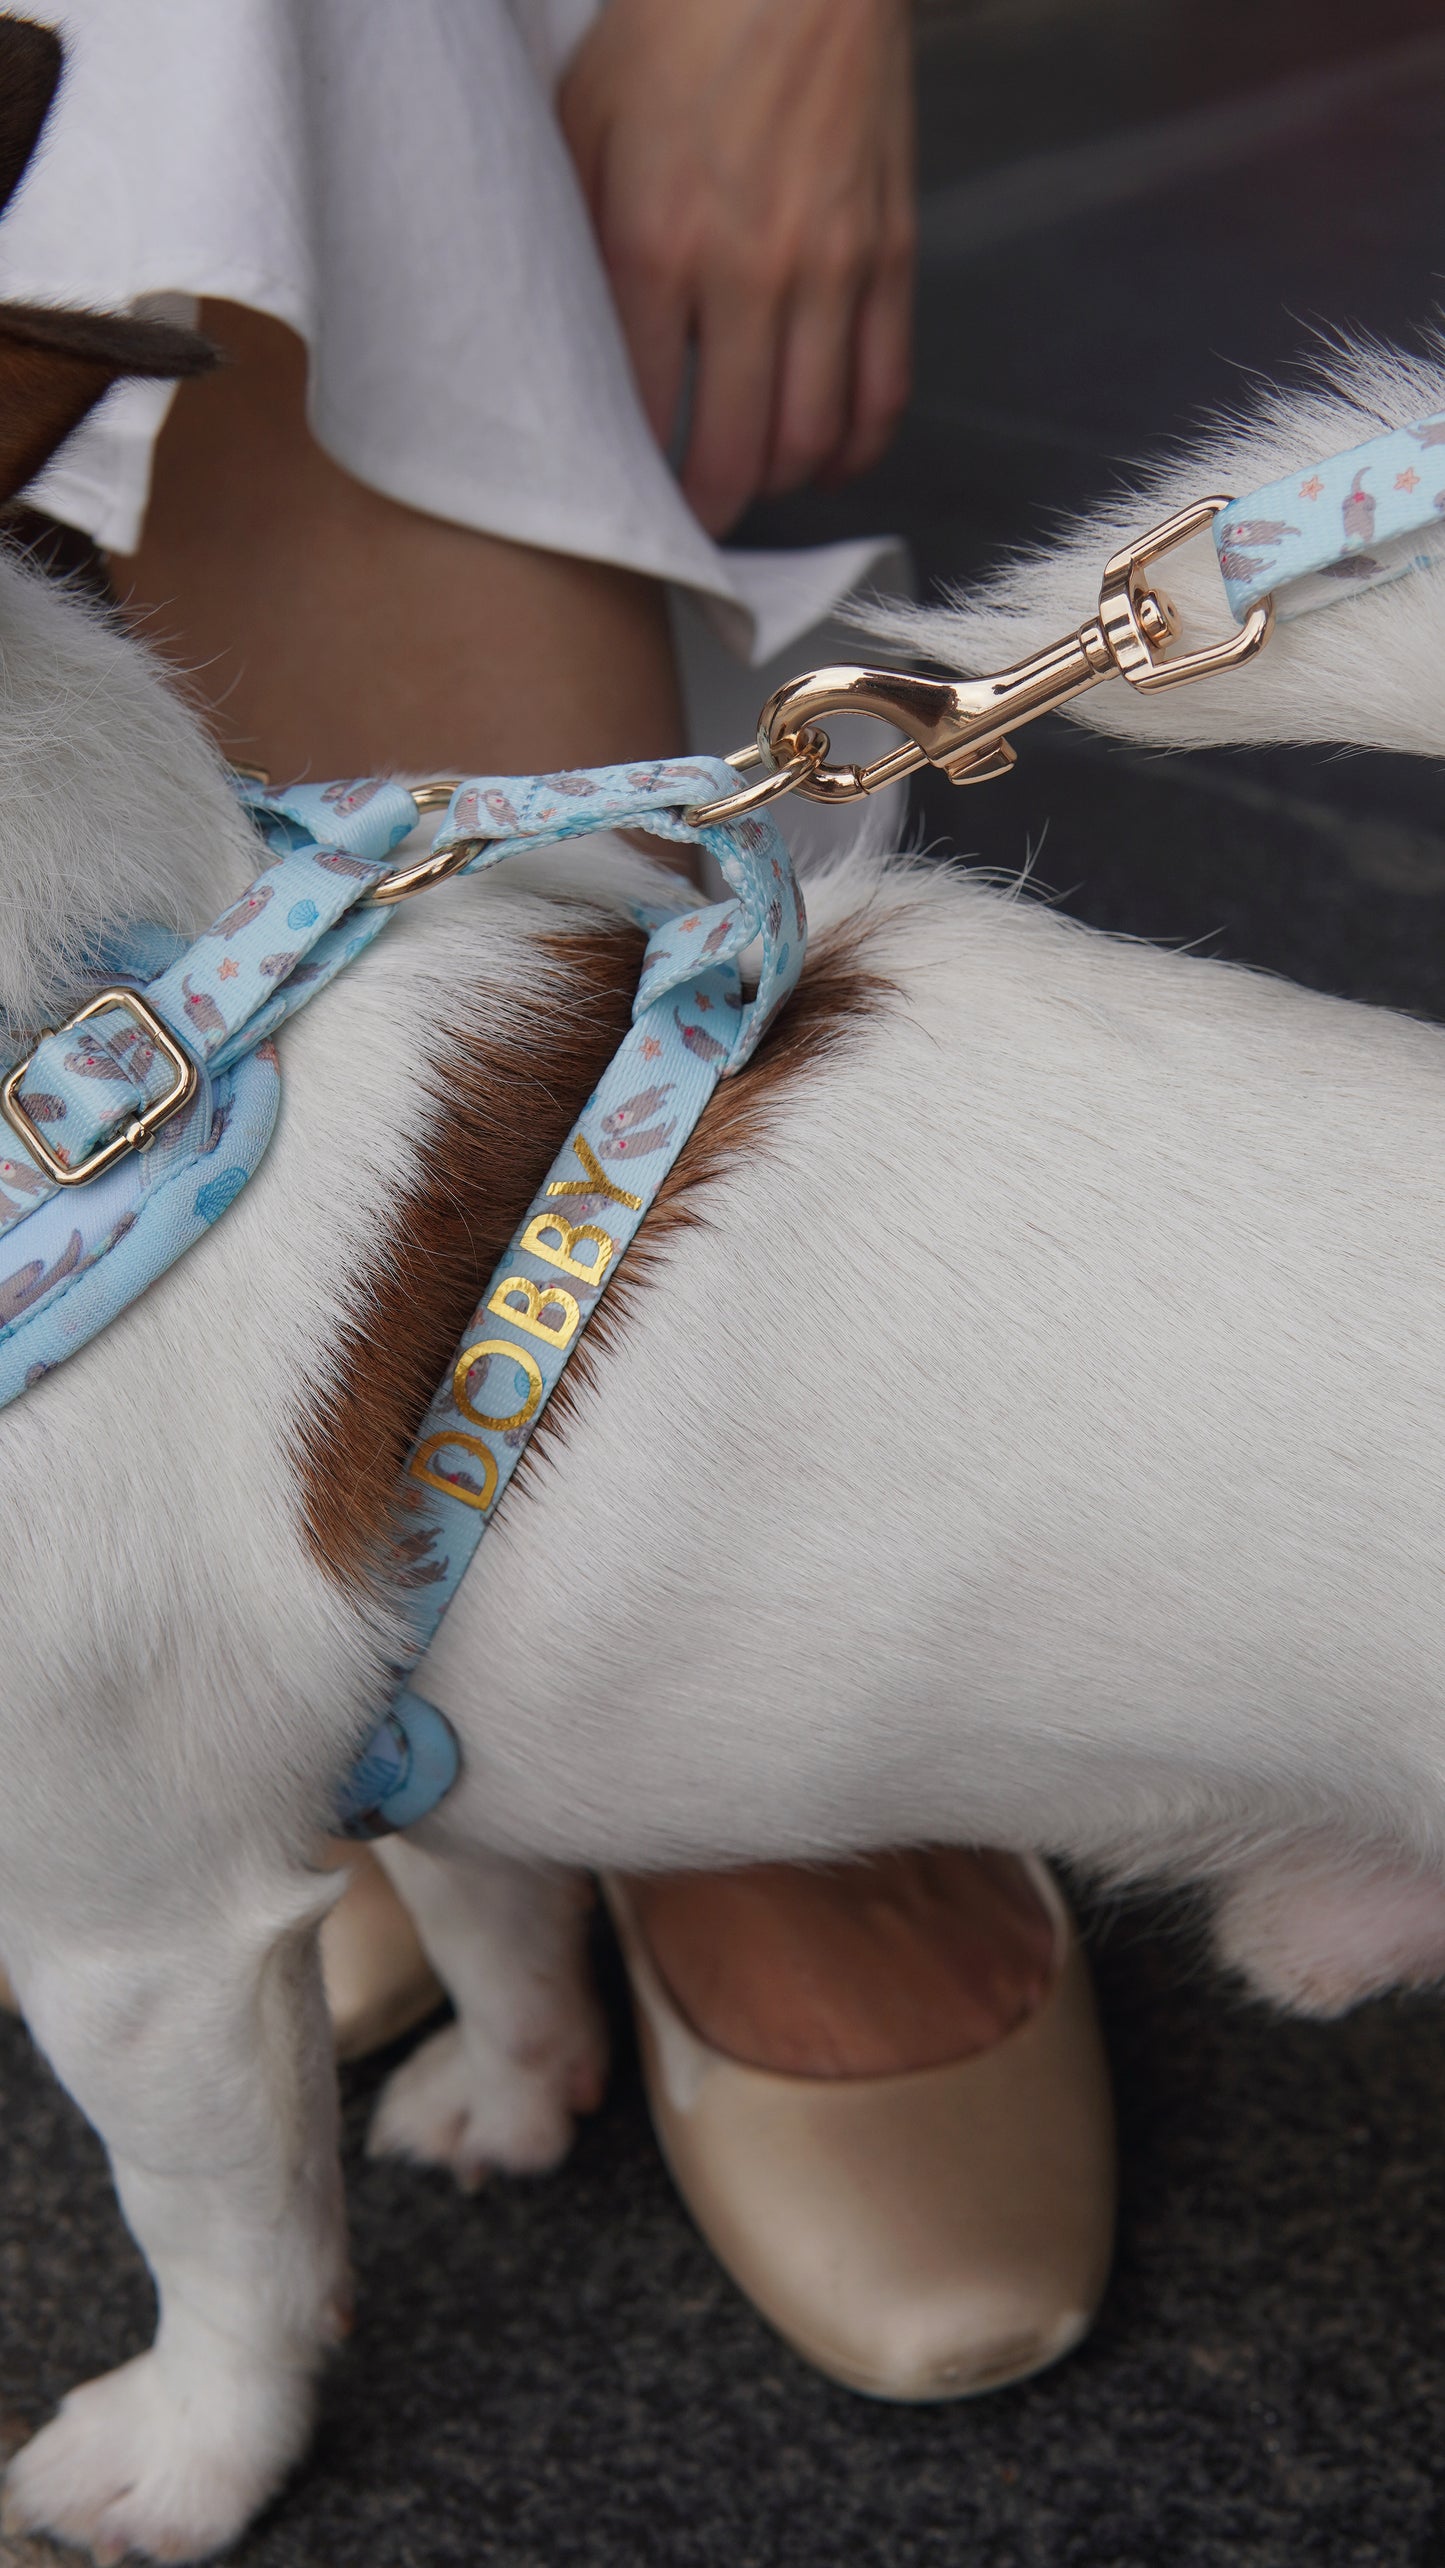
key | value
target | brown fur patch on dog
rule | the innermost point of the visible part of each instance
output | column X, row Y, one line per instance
column 834, row 994
column 508, row 1106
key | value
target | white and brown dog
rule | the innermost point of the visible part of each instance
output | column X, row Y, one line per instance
column 1066, row 1314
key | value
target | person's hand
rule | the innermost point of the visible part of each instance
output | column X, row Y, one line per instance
column 749, row 169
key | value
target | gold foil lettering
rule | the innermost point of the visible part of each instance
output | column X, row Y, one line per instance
column 481, row 1498
column 565, row 1255
column 462, row 1374
column 540, row 1299
column 595, row 1183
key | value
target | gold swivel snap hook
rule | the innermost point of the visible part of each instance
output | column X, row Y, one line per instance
column 962, row 726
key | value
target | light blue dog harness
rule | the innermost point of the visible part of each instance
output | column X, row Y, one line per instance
column 131, row 1129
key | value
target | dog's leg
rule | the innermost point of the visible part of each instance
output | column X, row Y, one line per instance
column 1315, row 1928
column 499, row 2088
column 201, row 2053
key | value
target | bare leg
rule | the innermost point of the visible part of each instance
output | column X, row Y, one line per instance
column 330, row 630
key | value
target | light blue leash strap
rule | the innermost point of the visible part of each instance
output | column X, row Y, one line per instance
column 1331, row 530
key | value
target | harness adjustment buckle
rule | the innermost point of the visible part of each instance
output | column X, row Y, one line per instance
column 142, row 1128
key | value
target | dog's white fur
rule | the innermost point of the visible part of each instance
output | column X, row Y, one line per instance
column 1043, row 1443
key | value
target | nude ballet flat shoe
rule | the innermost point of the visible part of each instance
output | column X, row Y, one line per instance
column 923, row 2236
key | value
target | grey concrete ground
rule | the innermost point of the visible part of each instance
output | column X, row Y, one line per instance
column 1127, row 206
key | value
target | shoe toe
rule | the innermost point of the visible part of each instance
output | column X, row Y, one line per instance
column 923, row 2236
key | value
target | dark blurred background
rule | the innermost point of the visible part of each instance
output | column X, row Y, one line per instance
column 1130, row 210
column 1130, row 207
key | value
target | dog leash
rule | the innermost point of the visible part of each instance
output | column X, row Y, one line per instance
column 137, row 1124
column 1326, row 532
column 1364, row 519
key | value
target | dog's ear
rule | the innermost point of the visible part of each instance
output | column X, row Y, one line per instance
column 30, row 59
column 55, row 364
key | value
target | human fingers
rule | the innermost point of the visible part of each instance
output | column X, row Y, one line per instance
column 881, row 379
column 628, row 200
column 652, row 304
column 811, row 407
column 737, row 335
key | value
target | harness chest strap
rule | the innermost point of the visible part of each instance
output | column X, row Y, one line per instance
column 692, row 1025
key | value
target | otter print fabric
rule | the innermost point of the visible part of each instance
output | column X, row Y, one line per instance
column 73, row 1258
column 693, row 1024
column 271, row 950
column 64, row 1273
column 1333, row 529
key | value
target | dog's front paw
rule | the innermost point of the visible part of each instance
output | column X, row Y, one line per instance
column 133, row 2464
column 456, row 2103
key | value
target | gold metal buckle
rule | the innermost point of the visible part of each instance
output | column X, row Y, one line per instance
column 963, row 726
column 143, row 1128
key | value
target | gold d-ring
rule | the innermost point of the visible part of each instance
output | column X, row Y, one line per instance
column 434, row 867
column 790, row 777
